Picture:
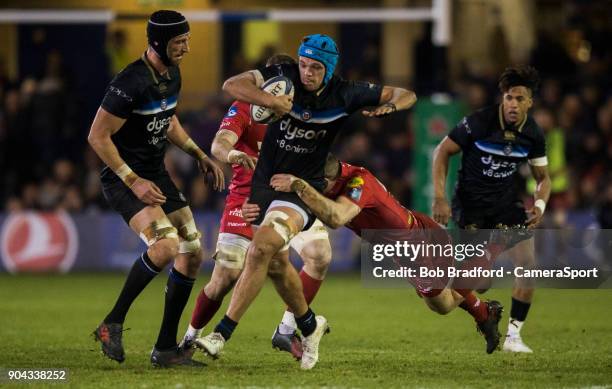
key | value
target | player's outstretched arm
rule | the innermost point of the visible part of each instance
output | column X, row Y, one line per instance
column 178, row 136
column 541, row 195
column 223, row 149
column 105, row 124
column 392, row 99
column 333, row 213
column 246, row 87
column 440, row 208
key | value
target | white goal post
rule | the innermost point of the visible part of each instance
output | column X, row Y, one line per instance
column 439, row 14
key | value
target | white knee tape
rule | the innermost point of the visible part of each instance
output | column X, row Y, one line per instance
column 189, row 246
column 278, row 221
column 231, row 250
column 190, row 235
column 158, row 229
column 316, row 232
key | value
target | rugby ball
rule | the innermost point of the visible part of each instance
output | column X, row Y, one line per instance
column 277, row 86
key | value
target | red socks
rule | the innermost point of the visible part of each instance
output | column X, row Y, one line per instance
column 472, row 304
column 310, row 286
column 204, row 310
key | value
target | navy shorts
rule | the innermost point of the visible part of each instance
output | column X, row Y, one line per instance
column 264, row 196
column 122, row 199
column 489, row 218
column 505, row 216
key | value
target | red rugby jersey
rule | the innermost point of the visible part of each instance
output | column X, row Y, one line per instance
column 250, row 135
column 379, row 209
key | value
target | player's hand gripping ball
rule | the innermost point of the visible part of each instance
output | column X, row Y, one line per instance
column 277, row 86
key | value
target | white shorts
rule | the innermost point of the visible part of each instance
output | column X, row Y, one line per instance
column 231, row 248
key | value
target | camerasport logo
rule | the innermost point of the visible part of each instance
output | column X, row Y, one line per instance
column 38, row 242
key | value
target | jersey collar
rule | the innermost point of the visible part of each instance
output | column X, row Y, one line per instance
column 502, row 122
column 154, row 73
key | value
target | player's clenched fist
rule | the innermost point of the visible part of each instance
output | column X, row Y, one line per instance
column 282, row 182
column 281, row 105
column 147, row 192
column 241, row 158
column 441, row 211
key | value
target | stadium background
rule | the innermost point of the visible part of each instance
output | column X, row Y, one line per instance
column 53, row 75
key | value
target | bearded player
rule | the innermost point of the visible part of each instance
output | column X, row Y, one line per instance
column 494, row 141
column 296, row 144
column 131, row 132
column 237, row 142
column 356, row 199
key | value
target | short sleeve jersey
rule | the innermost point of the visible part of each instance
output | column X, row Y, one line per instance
column 492, row 153
column 299, row 142
column 379, row 209
column 250, row 135
column 147, row 100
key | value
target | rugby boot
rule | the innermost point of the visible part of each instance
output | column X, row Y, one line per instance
column 515, row 344
column 175, row 356
column 310, row 344
column 291, row 343
column 489, row 328
column 211, row 344
column 109, row 335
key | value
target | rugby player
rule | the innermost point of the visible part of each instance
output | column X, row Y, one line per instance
column 494, row 142
column 130, row 133
column 298, row 144
column 237, row 142
column 353, row 197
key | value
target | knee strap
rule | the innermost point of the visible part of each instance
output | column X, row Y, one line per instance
column 158, row 229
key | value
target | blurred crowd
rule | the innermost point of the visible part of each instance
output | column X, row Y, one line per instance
column 46, row 163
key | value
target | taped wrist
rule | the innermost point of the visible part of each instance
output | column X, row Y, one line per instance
column 539, row 203
column 298, row 185
column 192, row 149
column 234, row 155
column 126, row 175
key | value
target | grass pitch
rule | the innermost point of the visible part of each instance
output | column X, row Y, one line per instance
column 380, row 338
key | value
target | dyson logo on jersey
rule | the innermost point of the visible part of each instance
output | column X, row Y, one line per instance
column 508, row 168
column 294, row 132
column 156, row 126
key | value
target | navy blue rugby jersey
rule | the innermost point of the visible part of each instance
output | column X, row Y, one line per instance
column 492, row 152
column 299, row 142
column 147, row 100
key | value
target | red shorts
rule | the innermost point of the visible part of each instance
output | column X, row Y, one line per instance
column 432, row 286
column 232, row 221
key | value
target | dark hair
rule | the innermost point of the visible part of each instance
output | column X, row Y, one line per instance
column 280, row 59
column 332, row 167
column 525, row 76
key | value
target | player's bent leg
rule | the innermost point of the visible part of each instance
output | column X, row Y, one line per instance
column 487, row 314
column 210, row 298
column 444, row 302
column 523, row 254
column 181, row 278
column 278, row 227
column 315, row 250
column 316, row 255
column 154, row 227
column 287, row 284
column 229, row 260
